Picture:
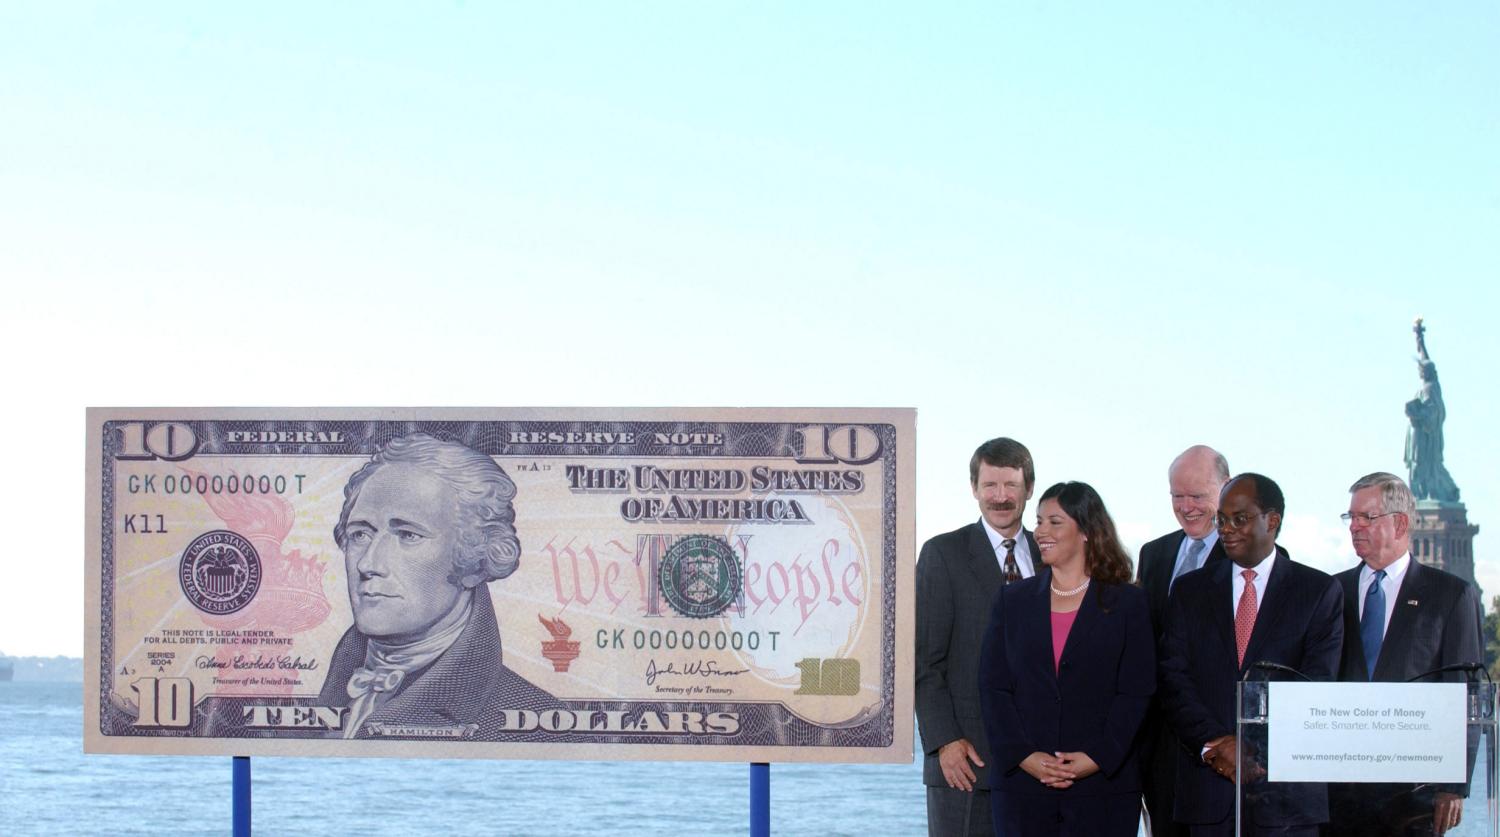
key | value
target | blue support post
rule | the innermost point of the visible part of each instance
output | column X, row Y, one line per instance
column 241, row 796
column 760, row 799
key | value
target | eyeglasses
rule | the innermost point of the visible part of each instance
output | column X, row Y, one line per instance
column 1352, row 518
column 1239, row 521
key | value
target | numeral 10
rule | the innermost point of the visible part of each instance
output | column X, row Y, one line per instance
column 833, row 676
column 851, row 444
column 169, row 440
column 164, row 701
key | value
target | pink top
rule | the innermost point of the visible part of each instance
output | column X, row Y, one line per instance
column 1061, row 624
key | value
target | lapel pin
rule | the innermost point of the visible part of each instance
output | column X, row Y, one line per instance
column 1412, row 602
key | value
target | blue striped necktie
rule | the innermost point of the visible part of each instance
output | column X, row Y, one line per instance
column 1372, row 624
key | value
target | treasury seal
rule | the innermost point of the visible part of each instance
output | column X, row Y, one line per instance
column 700, row 576
column 219, row 572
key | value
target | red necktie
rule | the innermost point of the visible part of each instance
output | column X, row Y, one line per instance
column 1244, row 616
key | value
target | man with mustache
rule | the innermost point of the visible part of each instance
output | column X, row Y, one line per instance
column 1402, row 620
column 425, row 525
column 1195, row 478
column 1259, row 606
column 958, row 574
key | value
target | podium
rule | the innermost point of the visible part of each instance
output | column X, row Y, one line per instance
column 1373, row 758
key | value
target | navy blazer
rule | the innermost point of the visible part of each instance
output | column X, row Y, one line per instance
column 1299, row 624
column 1154, row 572
column 1437, row 622
column 1093, row 702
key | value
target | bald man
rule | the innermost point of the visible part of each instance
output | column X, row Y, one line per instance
column 1195, row 478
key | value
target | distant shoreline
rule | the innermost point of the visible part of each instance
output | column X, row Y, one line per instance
column 44, row 669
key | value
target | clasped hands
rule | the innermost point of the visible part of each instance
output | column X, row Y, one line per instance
column 1059, row 770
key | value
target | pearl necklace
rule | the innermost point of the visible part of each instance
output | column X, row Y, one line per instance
column 1075, row 591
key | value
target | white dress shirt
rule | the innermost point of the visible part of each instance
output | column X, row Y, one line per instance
column 1262, row 572
column 1023, row 548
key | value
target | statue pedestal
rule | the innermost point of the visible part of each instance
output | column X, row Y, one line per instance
column 1442, row 537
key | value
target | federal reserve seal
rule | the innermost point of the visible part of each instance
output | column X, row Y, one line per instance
column 219, row 572
column 700, row 576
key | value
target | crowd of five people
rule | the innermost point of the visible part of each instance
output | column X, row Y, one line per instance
column 1060, row 693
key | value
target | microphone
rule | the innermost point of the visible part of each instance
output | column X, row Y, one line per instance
column 1468, row 668
column 1267, row 665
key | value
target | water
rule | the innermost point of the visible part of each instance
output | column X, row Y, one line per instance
column 48, row 786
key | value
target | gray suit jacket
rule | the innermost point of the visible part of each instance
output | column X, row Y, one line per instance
column 957, row 579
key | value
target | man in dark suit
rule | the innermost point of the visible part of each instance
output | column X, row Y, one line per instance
column 1401, row 620
column 958, row 574
column 1260, row 606
column 1195, row 478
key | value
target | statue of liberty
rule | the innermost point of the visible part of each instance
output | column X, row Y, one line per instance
column 1428, row 478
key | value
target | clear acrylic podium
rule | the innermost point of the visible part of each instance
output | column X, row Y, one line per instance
column 1358, row 783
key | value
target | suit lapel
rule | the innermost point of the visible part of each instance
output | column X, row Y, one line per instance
column 1162, row 571
column 1220, row 606
column 1215, row 555
column 982, row 562
column 1398, row 633
column 1039, row 613
column 1269, row 609
column 1352, row 645
column 1088, row 617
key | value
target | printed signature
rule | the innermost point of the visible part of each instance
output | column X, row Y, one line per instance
column 696, row 668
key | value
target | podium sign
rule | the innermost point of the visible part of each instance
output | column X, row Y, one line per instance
column 1380, row 758
column 1366, row 732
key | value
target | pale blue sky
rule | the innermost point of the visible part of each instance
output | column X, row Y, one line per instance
column 1109, row 231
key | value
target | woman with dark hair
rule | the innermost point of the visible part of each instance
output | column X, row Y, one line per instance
column 1066, row 673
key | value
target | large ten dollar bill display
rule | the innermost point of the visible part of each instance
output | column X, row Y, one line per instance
column 729, row 584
